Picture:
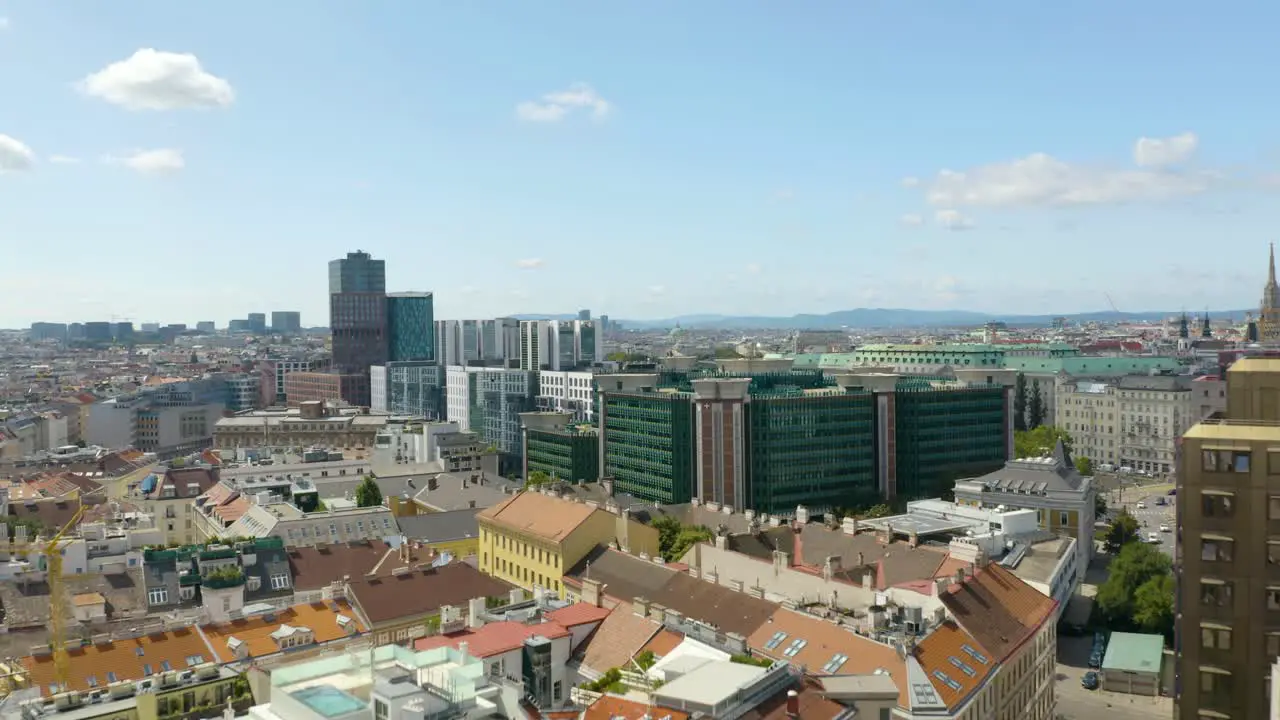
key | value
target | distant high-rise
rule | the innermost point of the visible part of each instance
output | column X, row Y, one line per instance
column 357, row 273
column 410, row 326
column 48, row 331
column 286, row 322
column 358, row 322
column 604, row 324
column 584, row 314
column 257, row 322
column 204, row 326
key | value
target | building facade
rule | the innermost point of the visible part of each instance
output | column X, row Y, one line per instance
column 561, row 450
column 411, row 327
column 408, row 388
column 358, row 272
column 489, row 400
column 286, row 322
column 271, row 375
column 329, row 387
column 568, row 391
column 1228, row 560
column 772, row 438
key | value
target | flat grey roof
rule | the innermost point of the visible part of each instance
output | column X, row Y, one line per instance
column 920, row 524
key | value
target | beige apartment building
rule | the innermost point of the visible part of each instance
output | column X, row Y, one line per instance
column 1229, row 551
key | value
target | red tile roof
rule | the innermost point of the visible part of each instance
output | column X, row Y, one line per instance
column 578, row 614
column 494, row 638
column 998, row 609
column 612, row 707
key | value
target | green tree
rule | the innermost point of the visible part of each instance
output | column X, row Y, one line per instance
column 645, row 660
column 536, row 478
column 368, row 494
column 1020, row 403
column 877, row 511
column 1099, row 505
column 726, row 353
column 1153, row 605
column 1035, row 408
column 1084, row 465
column 1123, row 532
column 1131, row 570
column 1040, row 441
column 675, row 539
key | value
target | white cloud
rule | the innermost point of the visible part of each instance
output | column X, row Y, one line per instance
column 63, row 160
column 953, row 220
column 152, row 162
column 156, row 80
column 1042, row 179
column 753, row 269
column 912, row 219
column 529, row 263
column 1163, row 152
column 14, row 155
column 555, row 106
column 910, row 182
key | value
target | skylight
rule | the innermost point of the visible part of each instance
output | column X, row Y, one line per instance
column 834, row 663
column 963, row 667
column 971, row 652
column 796, row 646
column 776, row 640
column 946, row 680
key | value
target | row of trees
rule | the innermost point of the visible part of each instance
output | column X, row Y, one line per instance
column 1138, row 592
column 1028, row 409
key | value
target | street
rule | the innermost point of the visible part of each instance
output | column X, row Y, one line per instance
column 1076, row 703
column 1152, row 516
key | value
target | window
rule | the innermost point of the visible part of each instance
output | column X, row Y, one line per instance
column 1273, row 644
column 1216, row 594
column 380, row 710
column 1215, row 638
column 1273, row 552
column 1273, row 507
column 158, row 596
column 1227, row 461
column 1217, row 505
column 1273, row 462
column 1273, row 598
column 280, row 581
column 1216, row 549
column 1215, row 683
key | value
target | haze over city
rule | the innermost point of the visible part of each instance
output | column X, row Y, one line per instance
column 176, row 162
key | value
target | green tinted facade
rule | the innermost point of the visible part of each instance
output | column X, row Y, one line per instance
column 564, row 454
column 648, row 444
column 946, row 434
column 813, row 450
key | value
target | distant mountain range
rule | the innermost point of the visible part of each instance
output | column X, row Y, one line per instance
column 882, row 318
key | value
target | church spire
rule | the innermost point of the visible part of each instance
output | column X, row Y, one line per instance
column 1271, row 268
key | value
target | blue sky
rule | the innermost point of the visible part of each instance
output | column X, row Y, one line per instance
column 670, row 157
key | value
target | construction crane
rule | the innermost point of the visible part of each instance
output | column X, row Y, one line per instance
column 51, row 549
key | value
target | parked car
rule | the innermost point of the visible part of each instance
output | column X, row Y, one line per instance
column 1095, row 660
column 1153, row 538
column 1089, row 681
column 1165, row 528
column 1141, row 506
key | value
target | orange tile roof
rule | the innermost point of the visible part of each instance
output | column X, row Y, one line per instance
column 612, row 707
column 493, row 638
column 618, row 639
column 940, row 652
column 533, row 513
column 232, row 510
column 132, row 659
column 578, row 614
column 87, row 599
column 256, row 632
column 998, row 609
column 662, row 643
column 822, row 642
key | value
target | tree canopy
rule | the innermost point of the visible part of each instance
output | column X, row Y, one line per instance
column 536, row 478
column 1138, row 591
column 1039, row 441
column 675, row 539
column 1123, row 531
column 368, row 494
column 1084, row 465
column 1020, row 403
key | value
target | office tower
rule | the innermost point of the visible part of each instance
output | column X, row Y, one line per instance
column 411, row 326
column 238, row 325
column 357, row 273
column 358, row 319
column 76, row 331
column 584, row 314
column 286, row 322
column 204, row 326
column 604, row 324
column 48, row 331
column 122, row 332
column 589, row 339
column 155, row 327
column 536, row 345
column 257, row 323
column 97, row 331
column 1228, row 605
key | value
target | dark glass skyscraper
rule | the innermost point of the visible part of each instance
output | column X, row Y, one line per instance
column 411, row 326
column 357, row 273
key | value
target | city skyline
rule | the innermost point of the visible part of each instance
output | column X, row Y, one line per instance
column 545, row 159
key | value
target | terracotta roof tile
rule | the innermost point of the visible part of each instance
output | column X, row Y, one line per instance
column 813, row 705
column 534, row 513
column 822, row 642
column 315, row 568
column 132, row 659
column 256, row 631
column 493, row 638
column 618, row 639
column 664, row 642
column 998, row 608
column 943, row 651
column 612, row 707
column 578, row 614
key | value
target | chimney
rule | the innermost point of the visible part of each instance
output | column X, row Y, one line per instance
column 463, row 647
column 959, row 576
column 862, row 560
column 913, row 539
column 940, row 586
column 793, row 704
column 592, row 592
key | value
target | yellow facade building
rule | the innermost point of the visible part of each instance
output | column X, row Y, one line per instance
column 532, row 539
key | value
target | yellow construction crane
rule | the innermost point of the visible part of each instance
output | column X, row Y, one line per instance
column 57, row 601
